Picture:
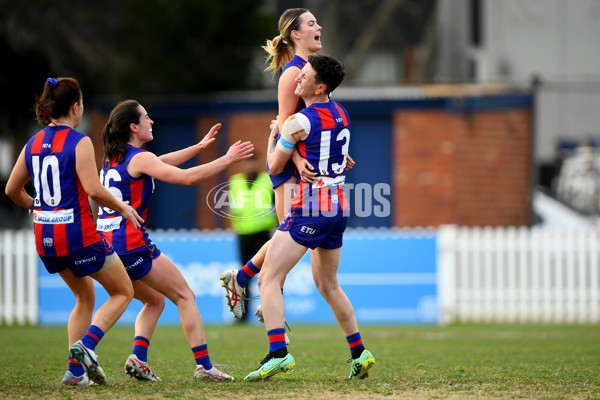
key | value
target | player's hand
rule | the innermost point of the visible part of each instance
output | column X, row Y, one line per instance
column 129, row 213
column 349, row 162
column 274, row 130
column 209, row 138
column 274, row 124
column 239, row 151
column 306, row 171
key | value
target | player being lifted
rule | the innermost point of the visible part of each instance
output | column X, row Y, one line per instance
column 317, row 218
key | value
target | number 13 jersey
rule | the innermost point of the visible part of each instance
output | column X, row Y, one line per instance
column 325, row 148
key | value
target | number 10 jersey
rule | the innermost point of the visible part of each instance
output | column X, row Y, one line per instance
column 62, row 215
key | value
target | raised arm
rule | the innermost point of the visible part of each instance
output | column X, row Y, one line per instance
column 15, row 187
column 88, row 176
column 149, row 164
column 176, row 158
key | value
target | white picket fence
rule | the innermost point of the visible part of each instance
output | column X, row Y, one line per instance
column 486, row 275
column 518, row 275
column 18, row 278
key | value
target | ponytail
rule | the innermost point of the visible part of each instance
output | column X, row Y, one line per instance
column 56, row 99
column 280, row 50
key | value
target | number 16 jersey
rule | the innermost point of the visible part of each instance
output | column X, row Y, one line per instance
column 118, row 231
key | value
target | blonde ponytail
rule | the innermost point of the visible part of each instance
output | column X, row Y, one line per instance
column 279, row 53
column 280, row 50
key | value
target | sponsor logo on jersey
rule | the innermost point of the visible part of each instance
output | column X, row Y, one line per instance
column 53, row 217
column 108, row 224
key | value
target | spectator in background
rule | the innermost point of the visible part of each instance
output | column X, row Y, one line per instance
column 129, row 171
column 252, row 216
column 60, row 162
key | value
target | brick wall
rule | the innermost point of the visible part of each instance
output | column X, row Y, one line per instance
column 252, row 126
column 468, row 169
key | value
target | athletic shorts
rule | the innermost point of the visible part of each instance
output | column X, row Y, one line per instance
column 84, row 262
column 289, row 170
column 138, row 262
column 321, row 231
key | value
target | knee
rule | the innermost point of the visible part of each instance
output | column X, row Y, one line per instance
column 87, row 301
column 157, row 302
column 126, row 291
column 260, row 281
column 326, row 287
column 183, row 295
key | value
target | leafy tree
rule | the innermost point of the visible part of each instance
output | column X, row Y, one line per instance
column 128, row 47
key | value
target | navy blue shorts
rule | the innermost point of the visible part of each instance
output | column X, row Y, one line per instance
column 138, row 262
column 321, row 231
column 289, row 170
column 82, row 262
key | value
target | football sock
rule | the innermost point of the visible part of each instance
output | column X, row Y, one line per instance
column 356, row 345
column 75, row 366
column 92, row 337
column 140, row 348
column 276, row 339
column 201, row 356
column 246, row 273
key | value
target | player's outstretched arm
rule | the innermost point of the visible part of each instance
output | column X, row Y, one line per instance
column 176, row 158
column 149, row 164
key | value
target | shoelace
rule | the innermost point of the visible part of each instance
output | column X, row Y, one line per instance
column 355, row 367
column 236, row 298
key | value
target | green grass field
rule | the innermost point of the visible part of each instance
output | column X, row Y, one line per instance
column 456, row 362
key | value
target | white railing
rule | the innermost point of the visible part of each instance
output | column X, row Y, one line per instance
column 18, row 278
column 485, row 275
column 518, row 275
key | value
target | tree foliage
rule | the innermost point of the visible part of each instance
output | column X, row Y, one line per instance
column 128, row 48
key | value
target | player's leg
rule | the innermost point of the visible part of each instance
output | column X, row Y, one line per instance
column 284, row 194
column 283, row 254
column 166, row 278
column 145, row 322
column 235, row 282
column 325, row 263
column 79, row 320
column 117, row 284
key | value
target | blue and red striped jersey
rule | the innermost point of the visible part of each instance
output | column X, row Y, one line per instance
column 118, row 231
column 325, row 147
column 62, row 216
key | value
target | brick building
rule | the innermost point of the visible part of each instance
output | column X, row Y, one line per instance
column 448, row 154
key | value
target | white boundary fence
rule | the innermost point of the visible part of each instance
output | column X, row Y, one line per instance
column 525, row 275
column 485, row 275
column 18, row 278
